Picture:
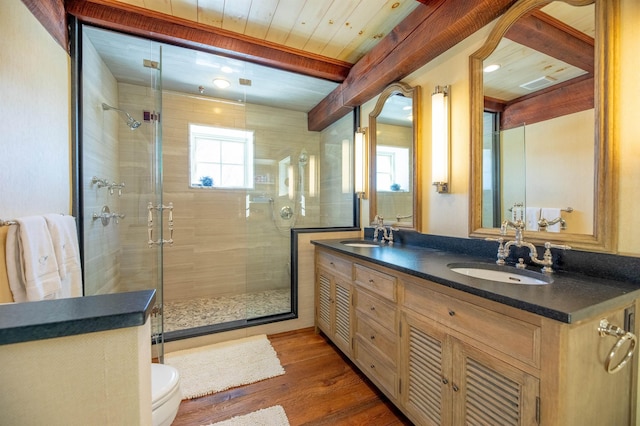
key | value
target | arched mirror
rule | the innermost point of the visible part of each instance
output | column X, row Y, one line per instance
column 394, row 127
column 541, row 123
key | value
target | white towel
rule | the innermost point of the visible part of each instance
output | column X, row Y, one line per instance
column 64, row 236
column 550, row 213
column 517, row 213
column 31, row 261
column 532, row 215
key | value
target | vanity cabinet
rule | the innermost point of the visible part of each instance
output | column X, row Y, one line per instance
column 376, row 317
column 447, row 357
column 334, row 293
column 446, row 381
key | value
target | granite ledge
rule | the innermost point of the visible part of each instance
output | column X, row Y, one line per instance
column 31, row 321
column 572, row 297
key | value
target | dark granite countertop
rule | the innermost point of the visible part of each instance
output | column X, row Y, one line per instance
column 24, row 322
column 571, row 296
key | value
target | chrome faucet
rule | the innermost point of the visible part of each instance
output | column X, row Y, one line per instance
column 544, row 223
column 518, row 241
column 387, row 233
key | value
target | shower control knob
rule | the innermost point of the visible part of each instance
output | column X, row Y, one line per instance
column 286, row 212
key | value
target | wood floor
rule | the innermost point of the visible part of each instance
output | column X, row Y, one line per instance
column 320, row 387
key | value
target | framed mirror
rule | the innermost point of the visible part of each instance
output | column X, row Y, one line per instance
column 541, row 126
column 394, row 129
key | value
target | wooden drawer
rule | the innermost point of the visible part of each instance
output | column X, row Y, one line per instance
column 384, row 313
column 376, row 368
column 380, row 338
column 516, row 338
column 335, row 264
column 378, row 282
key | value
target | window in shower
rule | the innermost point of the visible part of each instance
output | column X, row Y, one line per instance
column 220, row 157
column 390, row 177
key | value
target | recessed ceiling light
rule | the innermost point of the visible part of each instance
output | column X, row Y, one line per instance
column 491, row 68
column 221, row 83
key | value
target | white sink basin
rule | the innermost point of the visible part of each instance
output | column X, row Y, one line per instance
column 360, row 243
column 505, row 274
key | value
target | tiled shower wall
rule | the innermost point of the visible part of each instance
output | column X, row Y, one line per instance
column 222, row 246
column 102, row 250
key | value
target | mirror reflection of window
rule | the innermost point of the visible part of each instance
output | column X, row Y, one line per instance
column 392, row 173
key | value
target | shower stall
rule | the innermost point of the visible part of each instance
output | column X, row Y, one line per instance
column 196, row 195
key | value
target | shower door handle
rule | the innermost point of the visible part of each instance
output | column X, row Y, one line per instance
column 161, row 208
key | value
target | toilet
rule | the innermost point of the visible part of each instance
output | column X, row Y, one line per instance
column 165, row 394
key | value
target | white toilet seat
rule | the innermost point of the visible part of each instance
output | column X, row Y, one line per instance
column 165, row 394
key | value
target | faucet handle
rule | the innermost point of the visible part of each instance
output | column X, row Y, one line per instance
column 495, row 240
column 549, row 245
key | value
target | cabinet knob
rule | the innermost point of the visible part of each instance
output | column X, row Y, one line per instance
column 372, row 366
column 452, row 313
column 371, row 281
column 373, row 308
column 373, row 337
column 444, row 381
column 455, row 387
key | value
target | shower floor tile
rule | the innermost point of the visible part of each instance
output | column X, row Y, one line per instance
column 191, row 313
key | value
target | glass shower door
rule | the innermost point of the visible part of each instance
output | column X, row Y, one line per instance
column 121, row 169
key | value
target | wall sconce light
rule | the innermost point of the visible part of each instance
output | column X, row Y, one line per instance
column 360, row 162
column 440, row 142
column 291, row 182
column 313, row 176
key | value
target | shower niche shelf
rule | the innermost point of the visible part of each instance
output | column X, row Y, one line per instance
column 264, row 172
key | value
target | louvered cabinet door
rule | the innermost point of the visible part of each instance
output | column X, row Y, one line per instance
column 342, row 327
column 333, row 309
column 487, row 391
column 426, row 382
column 324, row 301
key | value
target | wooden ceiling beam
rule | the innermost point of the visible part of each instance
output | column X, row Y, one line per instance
column 427, row 32
column 554, row 38
column 562, row 99
column 51, row 14
column 181, row 32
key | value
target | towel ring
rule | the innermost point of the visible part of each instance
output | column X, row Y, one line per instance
column 607, row 329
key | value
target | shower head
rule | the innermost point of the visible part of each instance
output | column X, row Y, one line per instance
column 303, row 158
column 131, row 122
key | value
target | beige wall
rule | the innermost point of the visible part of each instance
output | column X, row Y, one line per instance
column 558, row 159
column 35, row 163
column 627, row 129
column 101, row 378
column 100, row 159
column 560, row 156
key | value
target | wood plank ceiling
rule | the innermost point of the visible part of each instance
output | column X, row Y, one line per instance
column 344, row 30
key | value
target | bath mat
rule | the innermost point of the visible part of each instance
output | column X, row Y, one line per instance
column 272, row 416
column 214, row 368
